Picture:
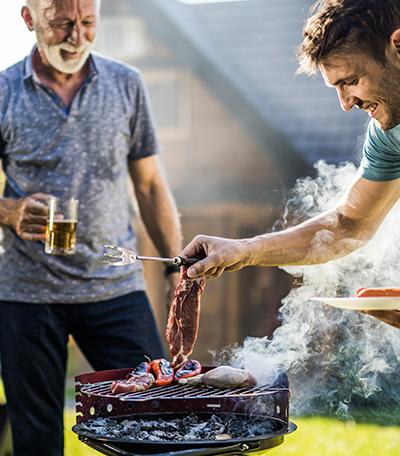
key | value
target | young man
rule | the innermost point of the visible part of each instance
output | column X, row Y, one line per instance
column 355, row 44
column 73, row 124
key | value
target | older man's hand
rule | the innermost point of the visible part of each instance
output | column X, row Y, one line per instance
column 27, row 216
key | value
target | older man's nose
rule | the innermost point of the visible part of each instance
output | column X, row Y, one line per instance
column 76, row 36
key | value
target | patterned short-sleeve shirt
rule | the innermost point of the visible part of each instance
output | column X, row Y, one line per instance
column 80, row 152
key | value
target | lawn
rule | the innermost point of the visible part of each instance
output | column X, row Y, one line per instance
column 315, row 436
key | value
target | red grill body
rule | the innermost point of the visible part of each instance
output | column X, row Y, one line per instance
column 94, row 400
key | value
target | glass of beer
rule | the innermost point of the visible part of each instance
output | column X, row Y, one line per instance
column 61, row 226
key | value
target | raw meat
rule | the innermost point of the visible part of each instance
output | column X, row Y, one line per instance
column 183, row 319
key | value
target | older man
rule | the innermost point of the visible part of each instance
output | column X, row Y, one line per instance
column 355, row 44
column 73, row 124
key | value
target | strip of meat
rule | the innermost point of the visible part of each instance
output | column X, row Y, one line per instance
column 190, row 369
column 222, row 377
column 133, row 384
column 183, row 318
column 163, row 373
column 369, row 292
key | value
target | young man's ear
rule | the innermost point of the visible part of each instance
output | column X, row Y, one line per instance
column 395, row 39
column 27, row 16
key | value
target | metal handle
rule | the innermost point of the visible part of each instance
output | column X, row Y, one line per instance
column 177, row 261
column 111, row 450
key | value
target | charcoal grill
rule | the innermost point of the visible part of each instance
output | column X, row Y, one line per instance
column 94, row 400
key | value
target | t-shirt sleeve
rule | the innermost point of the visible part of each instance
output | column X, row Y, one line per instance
column 381, row 154
column 144, row 140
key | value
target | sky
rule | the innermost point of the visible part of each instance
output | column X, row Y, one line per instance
column 16, row 39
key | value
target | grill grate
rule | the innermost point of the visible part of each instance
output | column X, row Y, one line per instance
column 177, row 391
column 94, row 398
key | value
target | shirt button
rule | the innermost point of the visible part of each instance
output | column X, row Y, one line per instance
column 61, row 104
column 50, row 91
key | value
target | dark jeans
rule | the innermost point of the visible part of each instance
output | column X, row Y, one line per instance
column 33, row 346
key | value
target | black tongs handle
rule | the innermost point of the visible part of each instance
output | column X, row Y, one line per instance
column 180, row 261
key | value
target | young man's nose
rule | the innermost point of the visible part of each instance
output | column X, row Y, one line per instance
column 347, row 100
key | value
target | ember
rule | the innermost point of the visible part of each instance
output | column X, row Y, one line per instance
column 189, row 428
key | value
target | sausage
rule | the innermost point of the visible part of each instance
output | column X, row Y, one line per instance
column 190, row 369
column 383, row 291
column 162, row 371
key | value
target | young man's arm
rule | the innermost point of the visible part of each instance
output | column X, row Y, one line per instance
column 333, row 234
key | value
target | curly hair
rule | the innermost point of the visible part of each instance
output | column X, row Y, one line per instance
column 344, row 26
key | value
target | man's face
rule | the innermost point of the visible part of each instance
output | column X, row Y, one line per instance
column 362, row 82
column 65, row 31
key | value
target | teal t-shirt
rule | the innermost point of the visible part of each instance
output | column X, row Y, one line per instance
column 381, row 154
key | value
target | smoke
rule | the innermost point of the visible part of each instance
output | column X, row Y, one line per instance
column 338, row 361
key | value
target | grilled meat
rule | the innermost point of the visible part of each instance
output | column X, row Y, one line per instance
column 135, row 383
column 368, row 292
column 183, row 318
column 222, row 377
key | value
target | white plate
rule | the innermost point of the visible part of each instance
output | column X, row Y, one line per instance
column 367, row 303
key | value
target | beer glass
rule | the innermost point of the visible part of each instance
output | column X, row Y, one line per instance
column 61, row 226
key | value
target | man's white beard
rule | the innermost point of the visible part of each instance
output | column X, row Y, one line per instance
column 54, row 57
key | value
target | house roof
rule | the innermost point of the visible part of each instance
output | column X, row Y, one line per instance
column 244, row 51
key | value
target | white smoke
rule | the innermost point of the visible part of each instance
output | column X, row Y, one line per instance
column 336, row 360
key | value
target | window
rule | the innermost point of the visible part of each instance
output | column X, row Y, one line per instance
column 123, row 37
column 170, row 98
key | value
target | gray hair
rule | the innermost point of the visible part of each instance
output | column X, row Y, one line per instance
column 32, row 5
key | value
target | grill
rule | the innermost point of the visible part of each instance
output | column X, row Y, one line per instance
column 94, row 400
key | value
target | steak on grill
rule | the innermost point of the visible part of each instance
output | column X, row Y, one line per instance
column 133, row 384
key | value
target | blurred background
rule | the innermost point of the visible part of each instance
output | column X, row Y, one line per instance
column 237, row 126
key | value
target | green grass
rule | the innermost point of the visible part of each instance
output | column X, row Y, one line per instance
column 2, row 181
column 319, row 436
column 314, row 437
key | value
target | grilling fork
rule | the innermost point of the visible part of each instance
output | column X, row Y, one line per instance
column 125, row 256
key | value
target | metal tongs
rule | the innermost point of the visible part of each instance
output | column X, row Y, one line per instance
column 128, row 257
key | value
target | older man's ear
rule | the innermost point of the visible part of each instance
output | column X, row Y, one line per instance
column 27, row 16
